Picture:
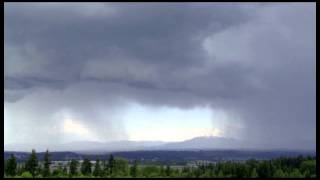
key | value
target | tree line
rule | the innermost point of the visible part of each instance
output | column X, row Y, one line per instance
column 119, row 167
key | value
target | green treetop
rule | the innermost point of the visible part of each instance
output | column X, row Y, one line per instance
column 97, row 169
column 11, row 166
column 73, row 167
column 86, row 167
column 46, row 167
column 32, row 163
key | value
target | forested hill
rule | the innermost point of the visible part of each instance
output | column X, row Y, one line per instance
column 175, row 157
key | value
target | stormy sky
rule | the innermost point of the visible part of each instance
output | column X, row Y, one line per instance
column 160, row 71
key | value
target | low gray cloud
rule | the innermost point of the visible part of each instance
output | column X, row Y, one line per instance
column 253, row 60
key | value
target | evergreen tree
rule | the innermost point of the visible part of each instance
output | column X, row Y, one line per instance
column 32, row 163
column 134, row 169
column 58, row 172
column 39, row 171
column 118, row 167
column 295, row 173
column 105, row 170
column 20, row 169
column 86, row 167
column 111, row 163
column 46, row 165
column 211, row 170
column 121, row 167
column 73, row 167
column 11, row 166
column 279, row 173
column 185, row 172
column 162, row 171
column 264, row 169
column 254, row 173
column 65, row 170
column 4, row 167
column 97, row 169
column 150, row 171
column 308, row 167
column 168, row 170
column 220, row 174
column 240, row 170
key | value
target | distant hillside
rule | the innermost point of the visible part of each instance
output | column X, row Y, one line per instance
column 56, row 156
column 163, row 157
column 203, row 143
column 198, row 143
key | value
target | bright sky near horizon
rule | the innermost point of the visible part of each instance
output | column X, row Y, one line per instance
column 169, row 124
column 144, row 123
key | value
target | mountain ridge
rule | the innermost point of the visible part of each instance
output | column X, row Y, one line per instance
column 196, row 143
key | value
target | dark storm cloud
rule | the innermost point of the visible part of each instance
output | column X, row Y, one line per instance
column 279, row 48
column 255, row 60
column 156, row 38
